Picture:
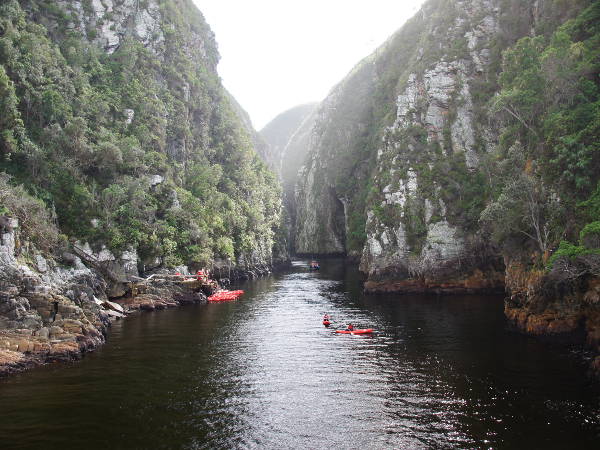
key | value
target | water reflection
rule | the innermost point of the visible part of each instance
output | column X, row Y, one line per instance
column 262, row 372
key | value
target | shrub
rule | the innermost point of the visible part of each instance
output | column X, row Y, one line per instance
column 568, row 250
column 35, row 221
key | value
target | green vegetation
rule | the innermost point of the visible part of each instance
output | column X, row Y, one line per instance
column 568, row 250
column 144, row 142
column 550, row 106
column 589, row 236
column 35, row 221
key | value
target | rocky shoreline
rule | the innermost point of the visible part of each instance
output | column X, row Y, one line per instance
column 562, row 304
column 59, row 310
column 558, row 305
column 68, row 339
column 477, row 283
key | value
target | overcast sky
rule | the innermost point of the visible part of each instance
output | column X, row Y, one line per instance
column 276, row 54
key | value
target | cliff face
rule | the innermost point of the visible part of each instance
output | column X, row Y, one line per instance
column 400, row 165
column 118, row 120
column 287, row 136
column 46, row 311
column 428, row 179
column 336, row 167
column 120, row 154
column 108, row 23
column 459, row 155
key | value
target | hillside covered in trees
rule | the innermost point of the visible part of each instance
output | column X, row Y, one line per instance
column 115, row 124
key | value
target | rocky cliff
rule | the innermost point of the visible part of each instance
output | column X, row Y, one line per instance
column 287, row 136
column 57, row 311
column 458, row 155
column 46, row 311
column 399, row 167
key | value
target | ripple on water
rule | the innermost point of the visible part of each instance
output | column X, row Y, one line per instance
column 264, row 373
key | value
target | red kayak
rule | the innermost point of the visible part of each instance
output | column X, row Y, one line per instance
column 326, row 323
column 363, row 331
column 225, row 296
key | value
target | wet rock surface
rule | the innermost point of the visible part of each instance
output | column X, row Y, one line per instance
column 52, row 312
column 553, row 305
column 477, row 282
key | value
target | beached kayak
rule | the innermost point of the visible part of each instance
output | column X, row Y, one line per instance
column 224, row 296
column 363, row 331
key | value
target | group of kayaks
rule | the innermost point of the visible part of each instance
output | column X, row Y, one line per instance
column 225, row 296
column 327, row 322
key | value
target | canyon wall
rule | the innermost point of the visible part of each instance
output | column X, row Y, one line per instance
column 287, row 137
column 461, row 156
column 121, row 155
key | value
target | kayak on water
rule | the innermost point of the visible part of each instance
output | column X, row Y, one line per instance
column 363, row 331
column 326, row 323
column 225, row 296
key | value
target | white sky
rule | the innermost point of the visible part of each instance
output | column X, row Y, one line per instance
column 276, row 54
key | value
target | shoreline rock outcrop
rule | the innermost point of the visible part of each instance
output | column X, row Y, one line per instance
column 561, row 304
column 48, row 312
column 51, row 312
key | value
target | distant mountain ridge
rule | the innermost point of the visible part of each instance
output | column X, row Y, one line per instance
column 279, row 131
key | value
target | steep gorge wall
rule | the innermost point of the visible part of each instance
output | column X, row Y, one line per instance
column 404, row 145
column 121, row 155
column 287, row 138
column 462, row 152
column 120, row 123
column 428, row 183
column 336, row 168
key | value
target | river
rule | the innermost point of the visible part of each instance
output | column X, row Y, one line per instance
column 263, row 372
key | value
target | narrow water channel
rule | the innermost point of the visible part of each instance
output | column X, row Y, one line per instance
column 262, row 372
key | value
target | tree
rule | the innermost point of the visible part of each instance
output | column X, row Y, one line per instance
column 525, row 206
column 11, row 124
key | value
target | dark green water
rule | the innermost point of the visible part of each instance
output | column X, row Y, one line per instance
column 262, row 372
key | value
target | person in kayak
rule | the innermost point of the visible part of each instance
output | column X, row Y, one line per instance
column 326, row 318
column 350, row 327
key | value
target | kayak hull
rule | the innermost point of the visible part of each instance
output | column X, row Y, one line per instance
column 358, row 331
column 326, row 323
column 362, row 331
column 225, row 296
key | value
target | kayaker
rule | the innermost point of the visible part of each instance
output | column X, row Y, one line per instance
column 350, row 327
column 326, row 317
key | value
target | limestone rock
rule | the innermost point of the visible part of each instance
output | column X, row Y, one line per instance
column 41, row 263
column 129, row 115
column 156, row 180
column 114, row 20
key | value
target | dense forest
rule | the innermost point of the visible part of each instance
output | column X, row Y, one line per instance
column 116, row 127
